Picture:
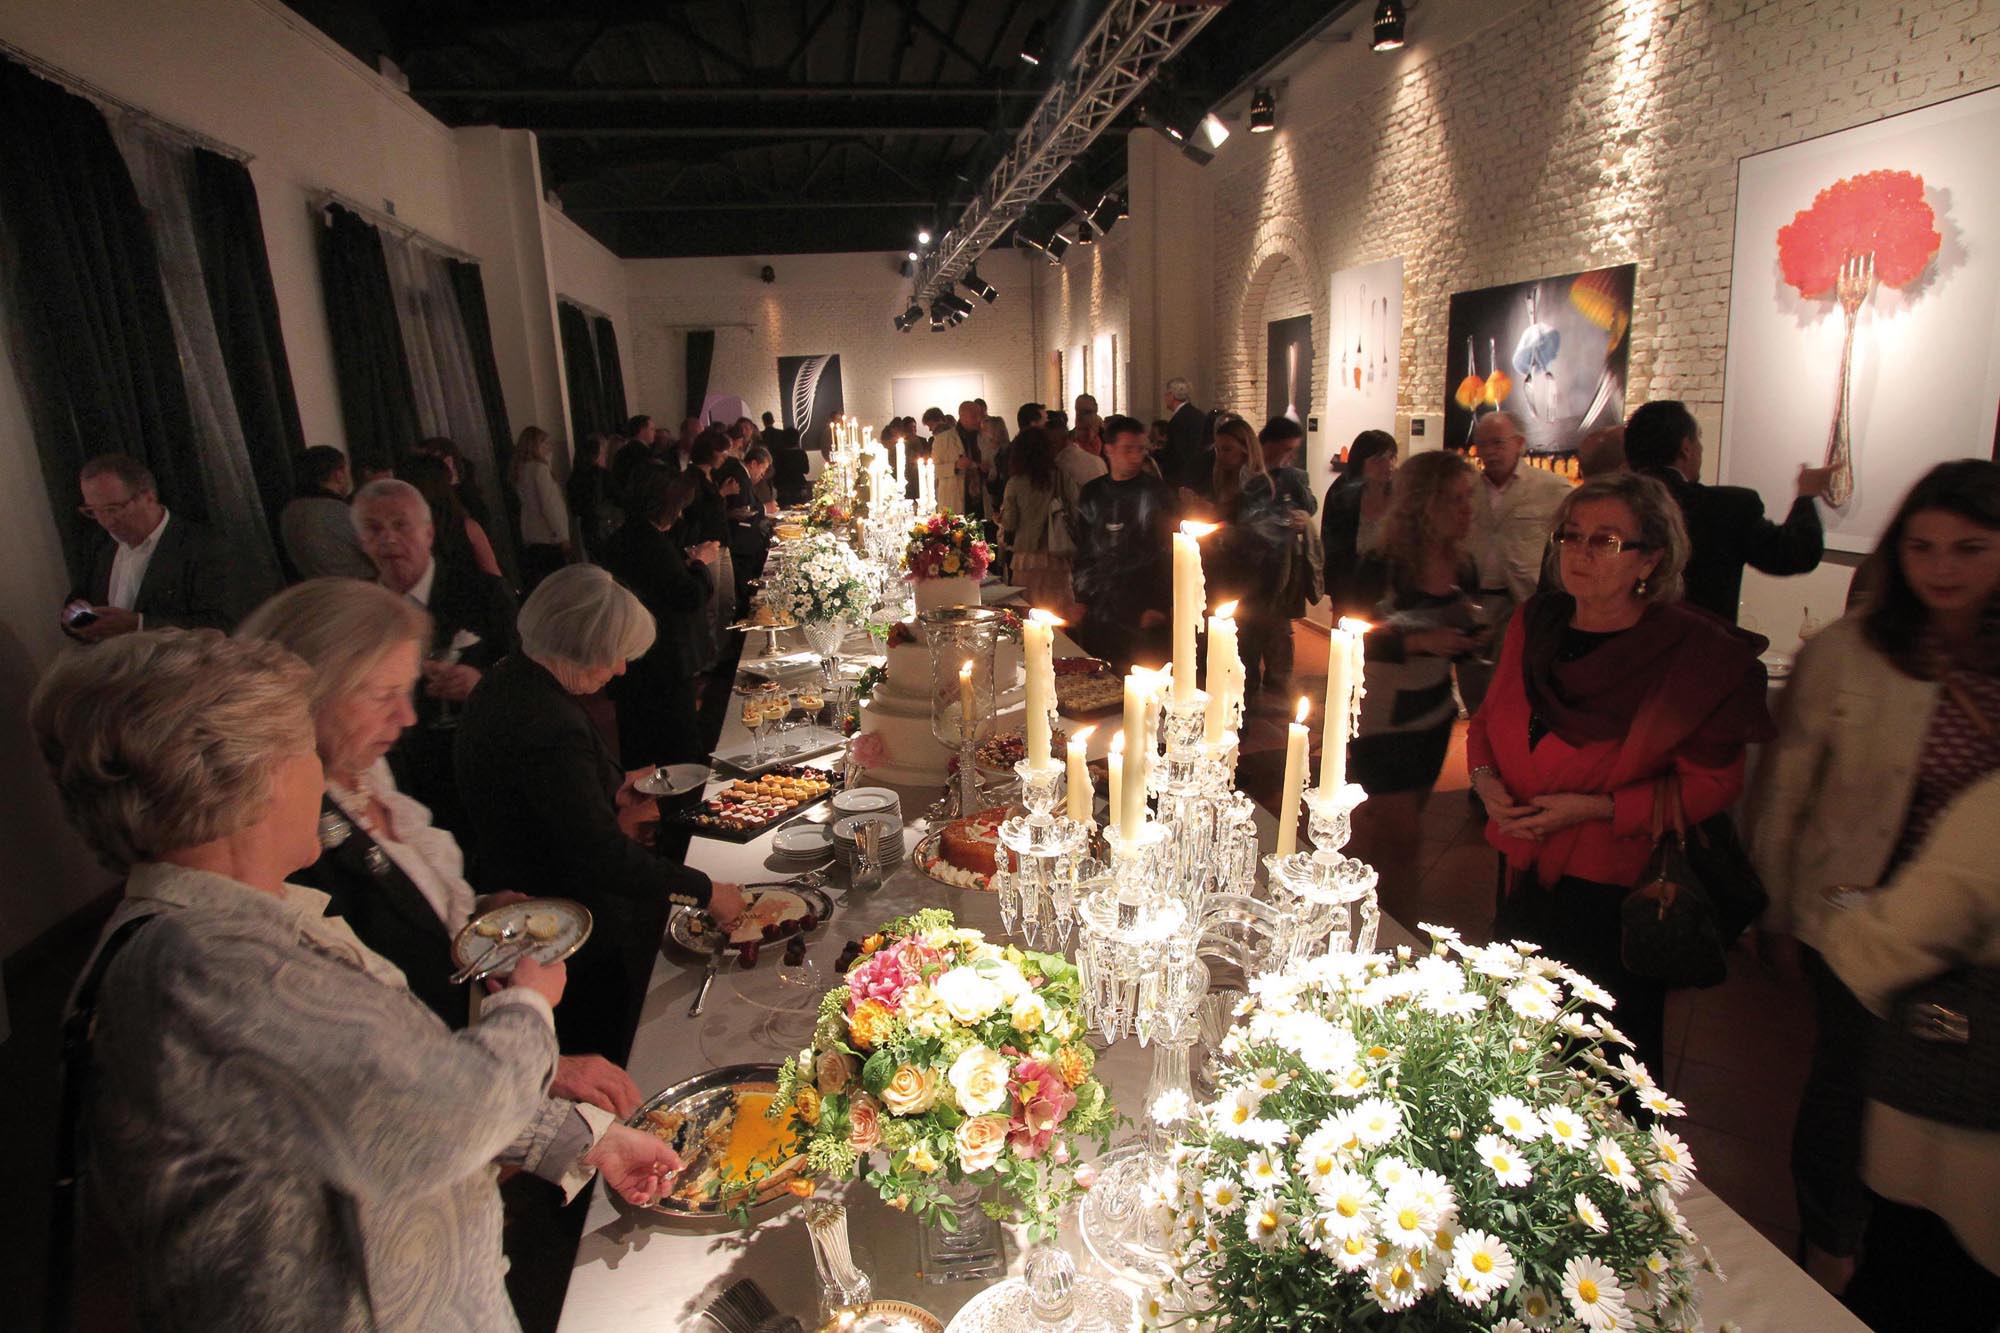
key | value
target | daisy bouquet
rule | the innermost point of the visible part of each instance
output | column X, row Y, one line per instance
column 942, row 1057
column 947, row 546
column 1434, row 1143
column 824, row 582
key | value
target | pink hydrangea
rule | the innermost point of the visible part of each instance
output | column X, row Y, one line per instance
column 889, row 973
column 1042, row 1101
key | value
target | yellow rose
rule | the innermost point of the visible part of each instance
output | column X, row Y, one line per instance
column 911, row 1091
column 1030, row 1011
column 924, row 1012
column 980, row 1141
column 979, row 1077
column 921, row 1159
column 870, row 1023
column 806, row 1102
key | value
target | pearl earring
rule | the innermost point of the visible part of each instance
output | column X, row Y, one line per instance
column 1639, row 588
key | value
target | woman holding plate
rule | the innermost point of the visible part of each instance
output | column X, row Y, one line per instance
column 284, row 1139
column 395, row 877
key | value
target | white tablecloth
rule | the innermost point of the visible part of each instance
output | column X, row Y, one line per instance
column 638, row 1271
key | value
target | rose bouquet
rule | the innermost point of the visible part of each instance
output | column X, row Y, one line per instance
column 1431, row 1144
column 947, row 546
column 830, row 506
column 947, row 1058
column 825, row 581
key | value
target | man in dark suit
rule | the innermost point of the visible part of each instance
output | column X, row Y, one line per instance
column 153, row 570
column 1123, row 527
column 1726, row 525
column 472, row 627
column 1187, row 434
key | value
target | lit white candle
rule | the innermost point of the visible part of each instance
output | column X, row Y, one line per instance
column 1038, row 635
column 900, row 480
column 1345, row 663
column 1081, row 797
column 1225, row 672
column 965, row 718
column 1137, row 737
column 1190, row 596
column 1115, row 783
column 1295, row 782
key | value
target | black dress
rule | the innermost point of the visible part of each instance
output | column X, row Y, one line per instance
column 656, row 695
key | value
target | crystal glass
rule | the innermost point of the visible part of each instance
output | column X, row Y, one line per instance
column 842, row 1284
column 957, row 635
column 966, row 1244
column 1037, row 883
column 825, row 638
column 1049, row 1297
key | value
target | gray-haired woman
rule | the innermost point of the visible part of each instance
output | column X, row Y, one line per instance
column 552, row 812
column 286, row 1139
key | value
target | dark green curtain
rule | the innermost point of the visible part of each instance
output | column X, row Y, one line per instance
column 378, row 405
column 700, row 359
column 610, row 375
column 470, row 288
column 102, row 369
column 229, row 233
column 580, row 374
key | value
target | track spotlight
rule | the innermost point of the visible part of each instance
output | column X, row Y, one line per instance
column 1085, row 233
column 979, row 287
column 1263, row 112
column 902, row 325
column 956, row 304
column 1213, row 130
column 908, row 268
column 1197, row 154
column 1108, row 211
column 1058, row 243
column 937, row 318
column 1035, row 46
column 923, row 236
column 1389, row 18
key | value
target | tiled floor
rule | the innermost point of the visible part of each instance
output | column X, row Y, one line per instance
column 1737, row 1053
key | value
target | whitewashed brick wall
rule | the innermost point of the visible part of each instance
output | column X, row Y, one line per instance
column 1567, row 134
column 1086, row 295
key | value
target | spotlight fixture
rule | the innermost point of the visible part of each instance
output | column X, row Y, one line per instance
column 1263, row 112
column 1058, row 243
column 1213, row 130
column 902, row 325
column 937, row 318
column 923, row 236
column 956, row 304
column 1389, row 16
column 1197, row 154
column 1124, row 207
column 911, row 256
column 1109, row 209
column 913, row 314
column 1085, row 233
column 1035, row 46
column 979, row 287
column 908, row 268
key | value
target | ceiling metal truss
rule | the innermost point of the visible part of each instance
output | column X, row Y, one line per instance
column 1117, row 58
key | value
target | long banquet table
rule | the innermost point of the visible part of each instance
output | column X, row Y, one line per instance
column 637, row 1271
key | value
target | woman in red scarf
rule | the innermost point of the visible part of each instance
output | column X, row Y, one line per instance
column 1602, row 689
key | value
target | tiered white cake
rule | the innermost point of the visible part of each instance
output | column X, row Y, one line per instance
column 898, row 714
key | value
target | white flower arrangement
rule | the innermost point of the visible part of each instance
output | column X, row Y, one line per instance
column 825, row 581
column 1430, row 1143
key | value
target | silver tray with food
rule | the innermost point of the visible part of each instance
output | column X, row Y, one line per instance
column 772, row 913
column 729, row 1148
column 549, row 929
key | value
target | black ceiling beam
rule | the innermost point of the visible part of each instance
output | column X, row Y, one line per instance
column 805, row 41
column 944, row 39
column 746, row 206
column 756, row 133
column 755, row 232
column 733, row 93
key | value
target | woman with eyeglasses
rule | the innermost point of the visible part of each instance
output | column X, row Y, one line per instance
column 1602, row 689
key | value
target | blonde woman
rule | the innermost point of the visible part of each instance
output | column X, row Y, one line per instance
column 283, row 1136
column 545, row 543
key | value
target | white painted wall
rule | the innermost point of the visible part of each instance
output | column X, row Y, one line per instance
column 583, row 270
column 820, row 303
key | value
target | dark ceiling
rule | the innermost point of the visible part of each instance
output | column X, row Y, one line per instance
column 702, row 127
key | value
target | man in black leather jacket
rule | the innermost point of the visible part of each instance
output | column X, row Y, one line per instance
column 1123, row 525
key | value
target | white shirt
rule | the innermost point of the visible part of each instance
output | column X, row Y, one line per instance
column 1079, row 465
column 420, row 591
column 421, row 850
column 128, row 567
column 544, row 513
column 1511, row 526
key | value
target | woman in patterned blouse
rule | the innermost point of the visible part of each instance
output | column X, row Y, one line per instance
column 284, row 1135
column 1892, row 713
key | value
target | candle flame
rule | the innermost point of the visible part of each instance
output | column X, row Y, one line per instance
column 1118, row 742
column 1304, row 710
column 1224, row 612
column 1041, row 617
column 1198, row 530
column 1354, row 625
column 965, row 670
column 1083, row 737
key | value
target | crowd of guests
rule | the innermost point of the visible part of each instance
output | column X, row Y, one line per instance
column 307, row 812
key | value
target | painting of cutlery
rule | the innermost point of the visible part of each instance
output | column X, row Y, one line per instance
column 1366, row 303
column 1552, row 351
column 1864, row 311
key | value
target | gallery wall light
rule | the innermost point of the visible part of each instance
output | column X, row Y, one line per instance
column 1389, row 19
column 979, row 287
column 1213, row 130
column 923, row 236
column 1263, row 112
column 1109, row 209
column 1057, row 245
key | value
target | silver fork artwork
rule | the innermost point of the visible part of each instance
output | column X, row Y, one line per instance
column 1856, row 280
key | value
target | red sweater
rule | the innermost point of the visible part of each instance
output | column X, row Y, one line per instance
column 1660, row 739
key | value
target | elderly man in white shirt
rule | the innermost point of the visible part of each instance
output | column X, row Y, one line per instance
column 1510, row 533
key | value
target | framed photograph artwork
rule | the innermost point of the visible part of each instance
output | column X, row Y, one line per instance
column 1364, row 357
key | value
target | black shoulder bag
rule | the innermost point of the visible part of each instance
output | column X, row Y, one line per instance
column 1698, row 894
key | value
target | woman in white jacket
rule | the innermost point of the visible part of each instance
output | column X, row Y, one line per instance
column 1892, row 713
column 545, row 542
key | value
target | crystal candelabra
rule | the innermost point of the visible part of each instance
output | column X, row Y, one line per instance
column 1038, row 890
column 1331, row 894
column 1213, row 845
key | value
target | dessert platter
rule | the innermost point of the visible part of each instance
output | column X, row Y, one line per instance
column 1087, row 686
column 966, row 852
column 748, row 807
column 732, row 1153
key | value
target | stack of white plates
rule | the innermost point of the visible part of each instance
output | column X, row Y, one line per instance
column 868, row 801
column 800, row 846
column 845, row 832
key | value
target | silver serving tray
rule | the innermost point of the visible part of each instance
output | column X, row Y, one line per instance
column 702, row 1100
column 682, row 920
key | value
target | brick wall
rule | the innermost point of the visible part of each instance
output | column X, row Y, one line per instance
column 1083, row 297
column 820, row 303
column 1557, row 135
